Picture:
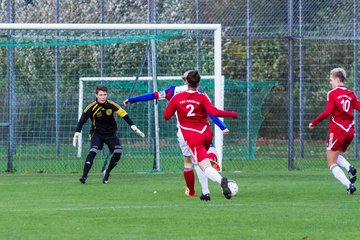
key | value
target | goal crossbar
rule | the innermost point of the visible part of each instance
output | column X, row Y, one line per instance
column 100, row 26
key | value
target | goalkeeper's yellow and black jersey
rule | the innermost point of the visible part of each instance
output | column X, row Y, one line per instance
column 103, row 117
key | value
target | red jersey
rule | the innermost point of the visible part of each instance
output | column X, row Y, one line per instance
column 192, row 107
column 340, row 105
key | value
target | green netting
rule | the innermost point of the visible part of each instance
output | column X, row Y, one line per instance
column 63, row 38
column 239, row 145
column 247, row 99
column 45, row 81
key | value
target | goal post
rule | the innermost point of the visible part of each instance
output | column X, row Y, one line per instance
column 218, row 101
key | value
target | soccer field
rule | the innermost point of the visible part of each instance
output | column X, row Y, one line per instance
column 270, row 205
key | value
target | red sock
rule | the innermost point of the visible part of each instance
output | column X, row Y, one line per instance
column 190, row 180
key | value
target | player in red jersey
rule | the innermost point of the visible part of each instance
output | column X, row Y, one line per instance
column 192, row 108
column 340, row 105
column 188, row 171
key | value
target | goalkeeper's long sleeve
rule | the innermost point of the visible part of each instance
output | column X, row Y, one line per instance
column 83, row 119
column 128, row 120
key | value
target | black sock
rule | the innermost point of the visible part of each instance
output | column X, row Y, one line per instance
column 113, row 161
column 88, row 163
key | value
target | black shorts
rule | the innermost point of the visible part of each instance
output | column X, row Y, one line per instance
column 98, row 140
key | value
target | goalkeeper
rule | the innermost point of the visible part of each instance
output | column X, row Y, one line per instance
column 103, row 130
column 188, row 171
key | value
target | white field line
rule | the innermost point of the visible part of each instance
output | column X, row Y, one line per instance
column 111, row 208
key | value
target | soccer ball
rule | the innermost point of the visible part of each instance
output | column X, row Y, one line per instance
column 234, row 188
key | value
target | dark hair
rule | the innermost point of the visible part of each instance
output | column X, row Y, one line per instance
column 101, row 88
column 193, row 78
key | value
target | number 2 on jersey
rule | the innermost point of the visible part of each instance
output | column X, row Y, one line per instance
column 190, row 113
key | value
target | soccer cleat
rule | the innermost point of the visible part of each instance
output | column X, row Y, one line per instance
column 106, row 176
column 351, row 189
column 352, row 174
column 225, row 188
column 205, row 197
column 187, row 193
column 83, row 180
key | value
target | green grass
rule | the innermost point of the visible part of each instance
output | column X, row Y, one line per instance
column 270, row 205
column 136, row 157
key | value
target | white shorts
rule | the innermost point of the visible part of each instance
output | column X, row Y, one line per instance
column 183, row 146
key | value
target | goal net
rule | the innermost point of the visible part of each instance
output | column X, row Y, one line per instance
column 41, row 66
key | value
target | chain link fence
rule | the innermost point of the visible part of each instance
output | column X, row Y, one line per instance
column 294, row 43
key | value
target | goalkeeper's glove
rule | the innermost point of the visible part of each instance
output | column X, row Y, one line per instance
column 76, row 138
column 137, row 131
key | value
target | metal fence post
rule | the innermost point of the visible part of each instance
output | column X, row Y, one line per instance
column 10, row 55
column 290, row 82
column 356, row 59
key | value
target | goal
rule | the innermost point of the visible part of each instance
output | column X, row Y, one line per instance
column 42, row 65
